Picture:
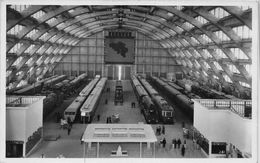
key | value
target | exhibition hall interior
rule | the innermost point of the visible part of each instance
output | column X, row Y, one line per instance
column 129, row 81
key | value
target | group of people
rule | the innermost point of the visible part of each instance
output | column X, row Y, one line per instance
column 66, row 123
column 109, row 119
column 177, row 144
column 160, row 130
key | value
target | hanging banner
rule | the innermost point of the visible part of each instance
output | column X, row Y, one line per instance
column 119, row 50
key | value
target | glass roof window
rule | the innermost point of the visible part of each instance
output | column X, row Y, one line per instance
column 60, row 26
column 40, row 49
column 49, row 50
column 233, row 68
column 16, row 29
column 15, row 48
column 206, row 38
column 219, row 12
column 8, row 73
column 38, row 14
column 29, row 61
column 29, row 49
column 207, row 54
column 206, row 64
column 188, row 25
column 32, row 33
column 50, row 21
column 220, row 53
column 179, row 7
column 204, row 73
column 197, row 65
column 215, row 77
column 244, row 84
column 201, row 19
column 194, row 40
column 222, row 36
column 18, row 60
column 53, row 38
column 44, row 36
column 239, row 54
column 196, row 54
column 244, row 8
column 243, row 32
column 248, row 69
column 19, row 8
column 227, row 79
column 218, row 66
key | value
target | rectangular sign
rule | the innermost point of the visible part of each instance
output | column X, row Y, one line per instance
column 119, row 50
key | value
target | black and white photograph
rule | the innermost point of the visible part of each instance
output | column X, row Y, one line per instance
column 117, row 81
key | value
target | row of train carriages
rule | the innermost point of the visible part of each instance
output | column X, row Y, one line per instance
column 154, row 107
column 56, row 88
column 87, row 101
column 181, row 93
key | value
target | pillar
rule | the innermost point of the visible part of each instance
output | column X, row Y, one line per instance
column 97, row 149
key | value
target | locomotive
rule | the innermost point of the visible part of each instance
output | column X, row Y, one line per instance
column 119, row 93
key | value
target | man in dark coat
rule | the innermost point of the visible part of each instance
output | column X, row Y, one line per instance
column 174, row 143
column 182, row 150
column 164, row 142
column 179, row 142
column 163, row 130
column 69, row 129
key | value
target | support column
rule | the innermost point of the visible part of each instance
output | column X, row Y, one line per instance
column 97, row 149
column 154, row 149
column 89, row 144
column 148, row 145
column 140, row 149
column 84, row 150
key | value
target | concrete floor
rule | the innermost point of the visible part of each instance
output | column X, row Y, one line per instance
column 70, row 146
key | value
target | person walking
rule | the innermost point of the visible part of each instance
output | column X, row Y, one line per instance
column 164, row 142
column 159, row 130
column 163, row 130
column 98, row 117
column 174, row 143
column 182, row 150
column 69, row 129
column 179, row 142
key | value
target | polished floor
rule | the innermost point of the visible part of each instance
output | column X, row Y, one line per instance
column 70, row 145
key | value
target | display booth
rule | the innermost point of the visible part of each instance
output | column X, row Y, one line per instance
column 116, row 134
column 24, row 122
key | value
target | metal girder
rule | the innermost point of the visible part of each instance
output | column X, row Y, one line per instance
column 25, row 14
column 238, row 13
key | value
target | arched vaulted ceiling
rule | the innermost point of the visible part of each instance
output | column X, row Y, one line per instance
column 204, row 39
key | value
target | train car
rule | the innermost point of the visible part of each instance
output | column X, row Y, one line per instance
column 51, row 82
column 78, row 80
column 30, row 90
column 166, row 112
column 119, row 93
column 90, row 105
column 72, row 109
column 86, row 91
column 49, row 103
column 149, row 111
column 181, row 100
column 146, row 104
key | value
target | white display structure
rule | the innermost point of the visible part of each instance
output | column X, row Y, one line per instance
column 221, row 124
column 24, row 116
